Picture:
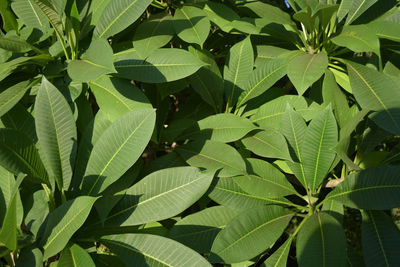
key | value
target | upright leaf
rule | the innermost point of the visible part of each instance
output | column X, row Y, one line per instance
column 50, row 11
column 75, row 256
column 358, row 7
column 117, row 149
column 118, row 15
column 56, row 131
column 63, row 222
column 280, row 256
column 321, row 242
column 152, row 250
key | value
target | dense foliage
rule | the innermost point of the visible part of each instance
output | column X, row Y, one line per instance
column 199, row 133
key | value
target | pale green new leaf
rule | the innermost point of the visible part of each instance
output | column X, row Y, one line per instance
column 375, row 188
column 370, row 89
column 213, row 156
column 63, row 222
column 191, row 24
column 305, row 69
column 165, row 193
column 117, row 149
column 358, row 38
column 317, row 150
column 163, row 65
column 75, row 256
column 30, row 13
column 152, row 250
column 249, row 234
column 56, row 132
column 380, row 238
column 118, row 15
column 117, row 96
column 321, row 242
column 198, row 230
column 11, row 96
column 96, row 61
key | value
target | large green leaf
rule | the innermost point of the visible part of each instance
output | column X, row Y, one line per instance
column 96, row 9
column 305, row 69
column 249, row 234
column 385, row 29
column 153, row 33
column 163, row 65
column 152, row 250
column 16, row 44
column 264, row 181
column 199, row 230
column 18, row 154
column 375, row 188
column 18, row 118
column 380, row 239
column 358, row 7
column 117, row 97
column 370, row 88
column 221, row 15
column 118, row 15
column 213, row 156
column 75, row 256
column 11, row 96
column 317, row 150
column 50, row 11
column 63, row 222
column 160, row 195
column 262, row 79
column 56, row 131
column 321, row 242
column 280, row 256
column 237, row 69
column 117, row 149
column 358, row 38
column 191, row 24
column 96, row 61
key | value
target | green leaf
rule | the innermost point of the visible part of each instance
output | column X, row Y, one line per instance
column 213, row 156
column 321, row 242
column 56, row 131
column 305, row 69
column 280, row 256
column 198, row 230
column 358, row 7
column 11, row 96
column 118, row 15
column 152, row 250
column 75, row 256
column 8, row 17
column 249, row 234
column 220, row 15
column 15, row 44
column 385, row 29
column 63, row 222
column 262, row 79
column 264, row 180
column 269, row 143
column 144, row 202
column 117, row 149
column 375, row 188
column 163, row 65
column 238, row 67
column 266, row 53
column 96, row 61
column 18, row 118
column 30, row 256
column 380, row 237
column 317, row 153
column 37, row 213
column 18, row 154
column 344, row 8
column 358, row 38
column 153, row 33
column 50, row 11
column 96, row 10
column 117, row 97
column 191, row 24
column 370, row 89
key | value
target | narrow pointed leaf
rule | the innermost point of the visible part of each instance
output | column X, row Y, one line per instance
column 279, row 257
column 50, row 11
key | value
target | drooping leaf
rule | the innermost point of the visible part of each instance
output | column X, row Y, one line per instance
column 321, row 242
column 152, row 250
column 118, row 15
column 305, row 69
column 249, row 234
column 75, row 256
column 180, row 187
column 163, row 65
column 117, row 149
column 213, row 156
column 16, row 44
column 63, row 222
column 56, row 131
column 358, row 38
column 370, row 89
column 380, row 237
column 199, row 230
column 11, row 96
column 191, row 24
column 375, row 188
column 96, row 61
